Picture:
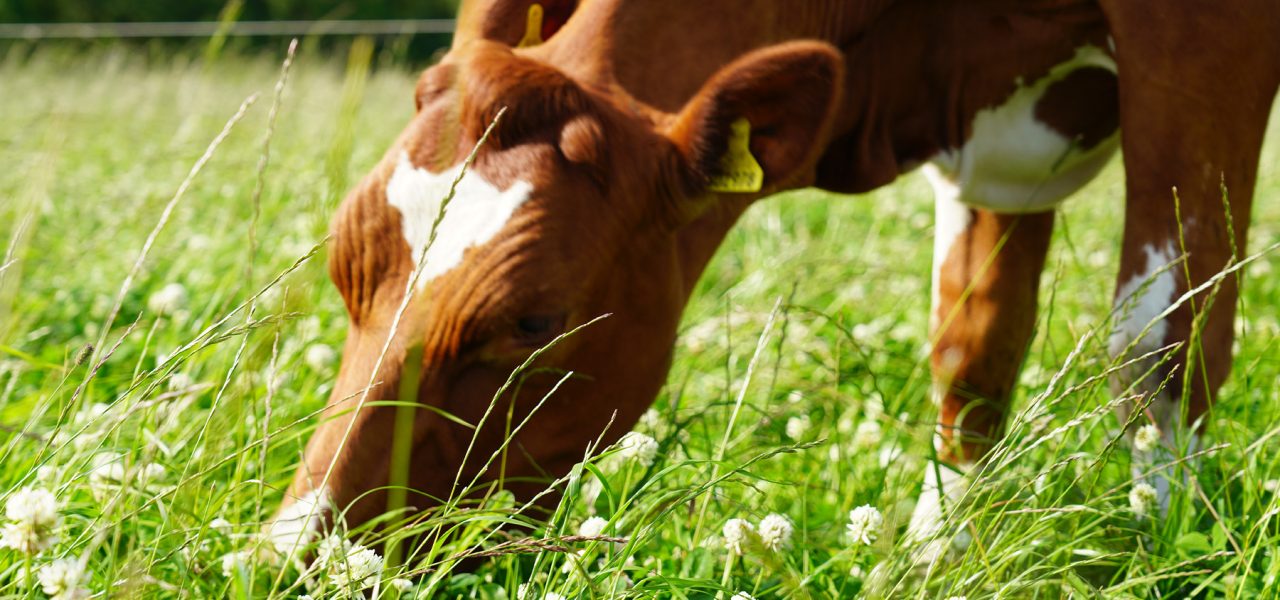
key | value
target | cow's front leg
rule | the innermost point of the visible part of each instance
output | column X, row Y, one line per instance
column 986, row 275
column 1193, row 120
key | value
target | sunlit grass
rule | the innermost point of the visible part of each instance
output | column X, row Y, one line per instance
column 167, row 446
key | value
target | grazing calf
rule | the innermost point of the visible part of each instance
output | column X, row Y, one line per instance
column 638, row 132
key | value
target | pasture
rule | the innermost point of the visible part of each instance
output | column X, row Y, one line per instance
column 167, row 430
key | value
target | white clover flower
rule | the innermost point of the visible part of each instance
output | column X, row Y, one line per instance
column 1142, row 498
column 35, row 520
column 26, row 539
column 775, row 532
column 151, row 472
column 61, row 578
column 91, row 414
column 108, row 468
column 34, row 506
column 638, row 447
column 590, row 492
column 319, row 356
column 221, row 525
column 573, row 562
column 350, row 566
column 1271, row 485
column 737, row 535
column 868, row 435
column 864, row 524
column 553, row 596
column 110, row 471
column 168, row 300
column 48, row 475
column 742, row 596
column 1146, row 438
column 651, row 419
column 235, row 562
column 593, row 527
column 798, row 426
column 401, row 584
column 179, row 382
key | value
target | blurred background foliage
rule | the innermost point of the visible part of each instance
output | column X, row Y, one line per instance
column 129, row 11
column 415, row 49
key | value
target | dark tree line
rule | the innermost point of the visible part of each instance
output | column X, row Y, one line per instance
column 54, row 11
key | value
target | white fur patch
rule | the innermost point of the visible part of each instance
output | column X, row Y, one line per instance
column 477, row 212
column 951, row 219
column 1013, row 163
column 937, row 496
column 1136, row 313
column 299, row 524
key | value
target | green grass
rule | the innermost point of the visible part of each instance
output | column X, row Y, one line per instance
column 96, row 145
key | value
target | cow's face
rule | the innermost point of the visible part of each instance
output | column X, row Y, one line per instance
column 580, row 208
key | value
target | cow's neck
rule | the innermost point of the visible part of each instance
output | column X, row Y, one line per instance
column 918, row 70
column 660, row 52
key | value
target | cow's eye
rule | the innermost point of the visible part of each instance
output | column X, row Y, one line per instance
column 538, row 330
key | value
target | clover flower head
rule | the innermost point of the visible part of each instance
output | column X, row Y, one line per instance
column 775, row 532
column 651, row 419
column 350, row 566
column 864, row 524
column 234, row 563
column 168, row 299
column 319, row 356
column 34, row 517
column 737, row 535
column 868, row 435
column 593, row 527
column 61, row 579
column 35, row 506
column 639, row 448
column 1146, row 438
column 798, row 426
column 1142, row 498
column 181, row 382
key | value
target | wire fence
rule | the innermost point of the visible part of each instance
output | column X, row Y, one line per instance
column 200, row 29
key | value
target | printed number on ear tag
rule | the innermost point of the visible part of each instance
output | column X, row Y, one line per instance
column 740, row 173
column 533, row 27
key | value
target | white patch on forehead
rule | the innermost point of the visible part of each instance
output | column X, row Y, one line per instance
column 951, row 219
column 1013, row 163
column 300, row 522
column 477, row 212
column 1155, row 293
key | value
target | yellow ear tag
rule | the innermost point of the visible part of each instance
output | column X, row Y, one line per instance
column 739, row 171
column 533, row 27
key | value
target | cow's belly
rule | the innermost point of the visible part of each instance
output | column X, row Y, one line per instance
column 1043, row 143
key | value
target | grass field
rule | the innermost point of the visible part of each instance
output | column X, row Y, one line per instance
column 167, row 443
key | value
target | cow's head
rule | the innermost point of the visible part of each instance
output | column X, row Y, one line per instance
column 580, row 204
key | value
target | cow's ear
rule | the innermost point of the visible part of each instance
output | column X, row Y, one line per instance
column 779, row 102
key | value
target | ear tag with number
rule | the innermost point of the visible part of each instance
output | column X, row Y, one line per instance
column 533, row 27
column 740, row 173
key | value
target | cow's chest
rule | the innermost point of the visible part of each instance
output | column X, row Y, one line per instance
column 1042, row 143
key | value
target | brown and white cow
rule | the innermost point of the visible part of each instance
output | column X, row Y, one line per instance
column 594, row 197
